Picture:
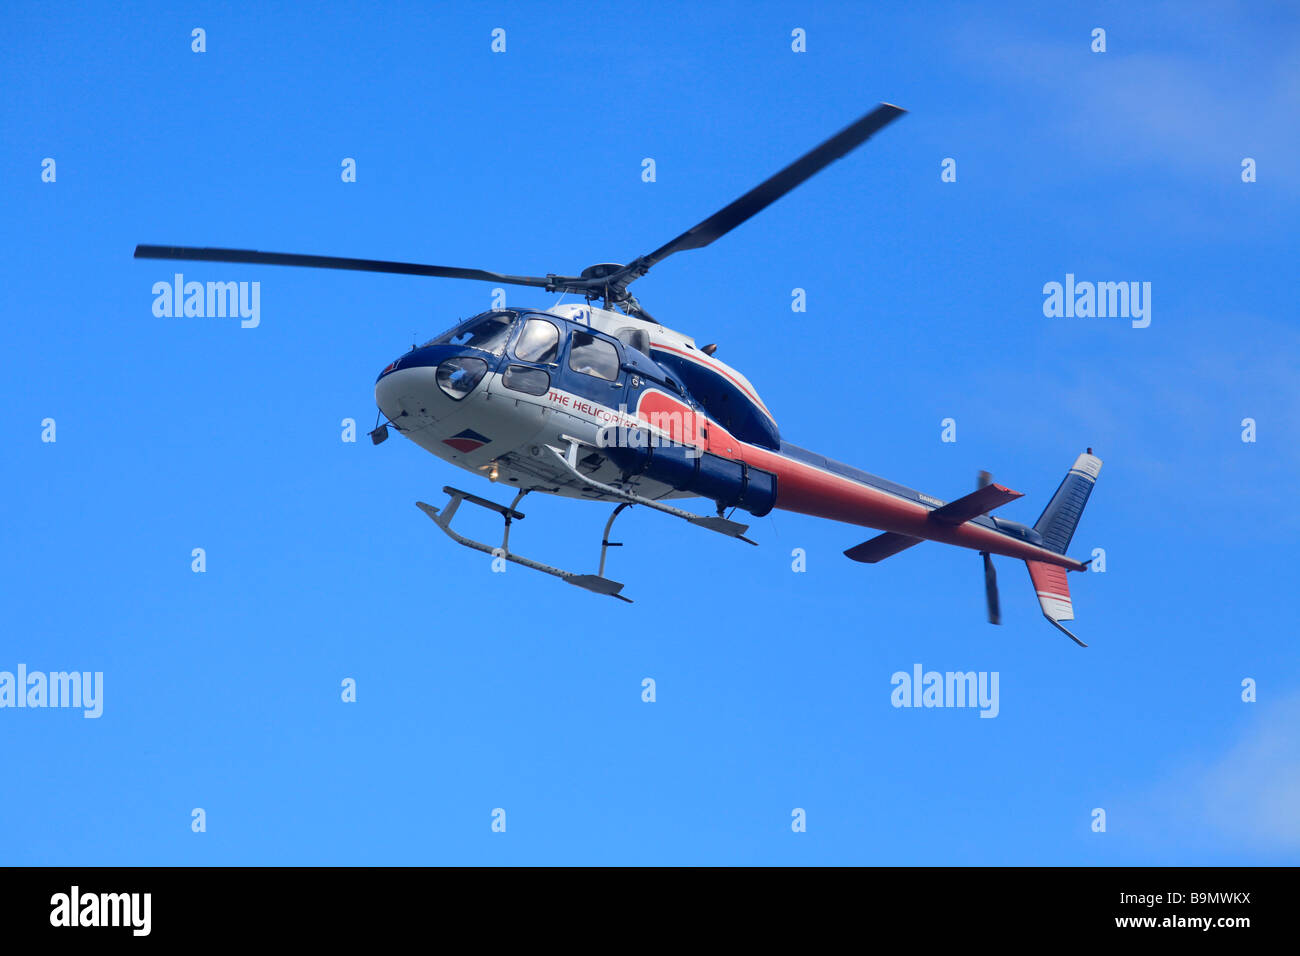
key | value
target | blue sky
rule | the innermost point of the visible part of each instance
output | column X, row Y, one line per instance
column 479, row 690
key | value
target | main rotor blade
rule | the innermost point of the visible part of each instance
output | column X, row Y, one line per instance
column 612, row 286
column 769, row 191
column 336, row 262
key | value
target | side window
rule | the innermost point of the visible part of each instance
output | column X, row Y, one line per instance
column 539, row 342
column 593, row 356
column 635, row 338
column 531, row 381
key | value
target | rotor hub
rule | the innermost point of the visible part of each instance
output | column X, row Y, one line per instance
column 602, row 270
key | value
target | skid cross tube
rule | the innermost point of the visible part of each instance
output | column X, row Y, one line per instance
column 596, row 583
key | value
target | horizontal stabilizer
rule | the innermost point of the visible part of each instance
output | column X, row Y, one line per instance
column 974, row 504
column 881, row 547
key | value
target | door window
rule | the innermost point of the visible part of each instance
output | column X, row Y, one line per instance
column 532, row 381
column 539, row 342
column 593, row 356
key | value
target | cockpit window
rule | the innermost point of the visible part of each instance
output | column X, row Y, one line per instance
column 487, row 332
column 539, row 342
column 593, row 356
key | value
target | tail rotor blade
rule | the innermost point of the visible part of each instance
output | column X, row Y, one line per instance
column 991, row 589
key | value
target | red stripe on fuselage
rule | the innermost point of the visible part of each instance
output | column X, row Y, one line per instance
column 714, row 367
column 807, row 489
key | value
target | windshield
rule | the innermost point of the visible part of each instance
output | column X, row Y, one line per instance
column 487, row 332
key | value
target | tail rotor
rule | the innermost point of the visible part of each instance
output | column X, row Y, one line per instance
column 990, row 574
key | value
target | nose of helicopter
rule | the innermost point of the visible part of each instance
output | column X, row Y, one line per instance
column 428, row 384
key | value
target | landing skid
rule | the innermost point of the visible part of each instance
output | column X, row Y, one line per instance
column 591, row 582
column 597, row 582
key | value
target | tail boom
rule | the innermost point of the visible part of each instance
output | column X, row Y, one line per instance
column 810, row 484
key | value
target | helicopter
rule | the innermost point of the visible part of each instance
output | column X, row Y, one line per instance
column 603, row 402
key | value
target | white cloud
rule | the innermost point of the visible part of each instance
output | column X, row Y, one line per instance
column 1246, row 799
column 1172, row 91
column 1253, row 792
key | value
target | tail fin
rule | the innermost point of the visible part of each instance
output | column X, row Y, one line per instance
column 1061, row 516
column 1056, row 525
